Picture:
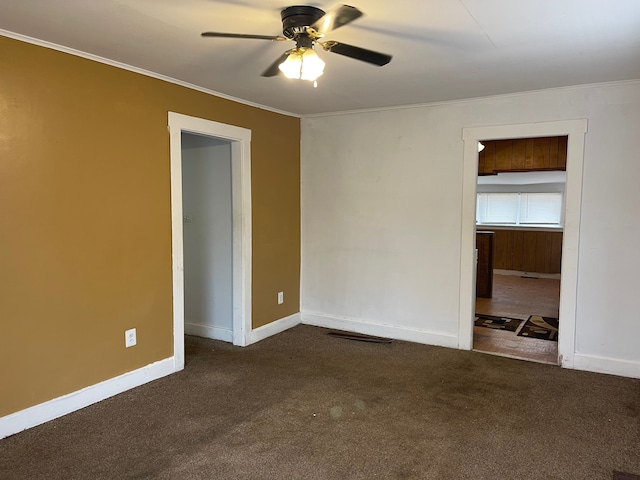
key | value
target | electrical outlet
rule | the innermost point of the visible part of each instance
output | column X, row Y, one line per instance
column 130, row 338
column 280, row 298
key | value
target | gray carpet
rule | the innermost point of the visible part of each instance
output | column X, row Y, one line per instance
column 305, row 405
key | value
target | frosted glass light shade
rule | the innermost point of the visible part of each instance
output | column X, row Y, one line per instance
column 303, row 64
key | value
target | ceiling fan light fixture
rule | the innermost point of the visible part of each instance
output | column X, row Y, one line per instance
column 302, row 64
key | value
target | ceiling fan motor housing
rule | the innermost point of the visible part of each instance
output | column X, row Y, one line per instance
column 296, row 19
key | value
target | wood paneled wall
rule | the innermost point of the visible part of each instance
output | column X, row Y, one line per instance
column 522, row 155
column 527, row 251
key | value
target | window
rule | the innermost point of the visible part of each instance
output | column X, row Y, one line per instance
column 527, row 209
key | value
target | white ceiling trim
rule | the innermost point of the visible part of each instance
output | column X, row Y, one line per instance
column 471, row 99
column 148, row 73
column 131, row 68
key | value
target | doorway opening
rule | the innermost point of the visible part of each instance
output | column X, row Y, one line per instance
column 207, row 236
column 208, row 148
column 575, row 131
column 519, row 211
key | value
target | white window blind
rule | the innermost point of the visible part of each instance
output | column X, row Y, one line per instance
column 540, row 209
column 497, row 208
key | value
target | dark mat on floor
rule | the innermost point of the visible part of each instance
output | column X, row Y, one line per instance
column 544, row 328
column 497, row 323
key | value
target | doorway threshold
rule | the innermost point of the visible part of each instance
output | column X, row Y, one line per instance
column 517, row 357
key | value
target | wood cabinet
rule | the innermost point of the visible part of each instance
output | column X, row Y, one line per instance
column 484, row 272
column 523, row 155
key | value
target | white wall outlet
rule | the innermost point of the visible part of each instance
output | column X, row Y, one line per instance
column 280, row 298
column 130, row 338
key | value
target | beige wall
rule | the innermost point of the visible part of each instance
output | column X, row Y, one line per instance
column 85, row 224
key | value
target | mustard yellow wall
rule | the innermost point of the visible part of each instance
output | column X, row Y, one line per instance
column 85, row 224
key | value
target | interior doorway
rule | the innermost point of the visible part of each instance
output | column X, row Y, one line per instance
column 575, row 131
column 519, row 241
column 202, row 136
column 207, row 236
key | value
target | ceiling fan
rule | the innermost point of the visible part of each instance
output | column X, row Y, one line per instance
column 306, row 25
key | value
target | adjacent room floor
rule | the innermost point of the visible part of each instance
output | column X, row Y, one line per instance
column 517, row 297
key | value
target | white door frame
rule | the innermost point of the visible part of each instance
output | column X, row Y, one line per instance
column 240, row 139
column 576, row 130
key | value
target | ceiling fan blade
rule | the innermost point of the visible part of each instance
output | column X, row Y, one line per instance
column 273, row 69
column 336, row 18
column 244, row 35
column 358, row 53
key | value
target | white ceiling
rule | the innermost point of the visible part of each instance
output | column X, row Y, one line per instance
column 442, row 49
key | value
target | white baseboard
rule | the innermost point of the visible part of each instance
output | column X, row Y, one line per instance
column 379, row 330
column 44, row 412
column 612, row 366
column 555, row 276
column 272, row 328
column 207, row 331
